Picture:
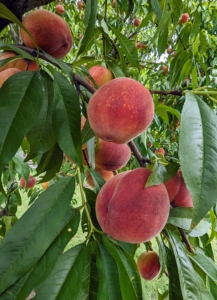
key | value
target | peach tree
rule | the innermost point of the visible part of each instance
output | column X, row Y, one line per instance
column 137, row 144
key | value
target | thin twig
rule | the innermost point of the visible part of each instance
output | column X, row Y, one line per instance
column 185, row 240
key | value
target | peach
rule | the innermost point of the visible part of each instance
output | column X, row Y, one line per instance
column 165, row 69
column 80, row 5
column 184, row 18
column 169, row 50
column 30, row 183
column 160, row 151
column 183, row 197
column 136, row 22
column 129, row 212
column 120, row 110
column 60, row 9
column 113, row 4
column 106, row 175
column 111, row 156
column 45, row 185
column 19, row 63
column 32, row 66
column 50, row 32
column 148, row 265
column 100, row 74
column 4, row 75
column 172, row 185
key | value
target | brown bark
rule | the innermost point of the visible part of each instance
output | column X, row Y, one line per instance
column 19, row 7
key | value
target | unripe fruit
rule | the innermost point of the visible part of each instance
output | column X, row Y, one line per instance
column 4, row 75
column 136, row 22
column 111, row 156
column 45, row 185
column 129, row 212
column 184, row 18
column 50, row 32
column 120, row 110
column 106, row 175
column 60, row 9
column 149, row 265
column 30, row 183
column 100, row 74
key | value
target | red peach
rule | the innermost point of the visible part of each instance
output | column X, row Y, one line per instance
column 19, row 63
column 4, row 75
column 50, row 32
column 111, row 156
column 183, row 197
column 120, row 110
column 30, row 183
column 173, row 186
column 184, row 18
column 100, row 74
column 136, row 22
column 60, row 9
column 149, row 265
column 129, row 212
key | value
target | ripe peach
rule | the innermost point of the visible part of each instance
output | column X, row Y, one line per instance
column 183, row 197
column 136, row 22
column 113, row 4
column 139, row 45
column 4, row 75
column 60, row 9
column 129, row 212
column 184, row 18
column 20, row 63
column 45, row 185
column 160, row 151
column 80, row 5
column 50, row 32
column 111, row 156
column 120, row 110
column 100, row 74
column 172, row 185
column 30, row 183
column 105, row 174
column 32, row 66
column 148, row 265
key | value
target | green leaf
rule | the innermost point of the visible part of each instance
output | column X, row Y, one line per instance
column 177, row 7
column 41, row 136
column 89, row 20
column 23, row 287
column 196, row 25
column 202, row 227
column 198, row 154
column 87, row 133
column 183, row 223
column 157, row 175
column 21, row 97
column 21, row 167
column 130, row 281
column 67, row 118
column 172, row 169
column 156, row 8
column 36, row 229
column 109, row 286
column 128, row 48
column 188, row 282
column 205, row 263
column 70, row 277
column 117, row 72
column 176, row 67
column 98, row 180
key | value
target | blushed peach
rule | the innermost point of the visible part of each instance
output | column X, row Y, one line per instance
column 100, row 74
column 148, row 265
column 4, row 75
column 50, row 32
column 183, row 197
column 173, row 186
column 29, row 184
column 129, row 212
column 120, row 110
column 20, row 63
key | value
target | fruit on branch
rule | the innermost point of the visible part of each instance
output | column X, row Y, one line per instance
column 111, row 156
column 60, row 9
column 178, row 193
column 149, row 265
column 129, row 212
column 120, row 110
column 80, row 5
column 45, row 185
column 113, row 4
column 169, row 50
column 106, row 175
column 165, row 69
column 4, row 75
column 136, row 22
column 100, row 74
column 184, row 18
column 20, row 63
column 160, row 152
column 32, row 66
column 139, row 45
column 29, row 184
column 50, row 32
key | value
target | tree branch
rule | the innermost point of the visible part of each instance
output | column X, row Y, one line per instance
column 185, row 240
column 20, row 7
column 141, row 160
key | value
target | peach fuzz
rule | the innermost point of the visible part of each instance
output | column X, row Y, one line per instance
column 30, row 183
column 50, row 32
column 4, row 75
column 106, row 175
column 129, row 212
column 110, row 156
column 120, row 110
column 100, row 74
column 20, row 63
column 148, row 265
